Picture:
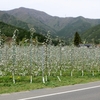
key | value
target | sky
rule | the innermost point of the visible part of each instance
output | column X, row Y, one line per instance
column 60, row 8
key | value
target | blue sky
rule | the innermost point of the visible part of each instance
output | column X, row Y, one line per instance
column 61, row 8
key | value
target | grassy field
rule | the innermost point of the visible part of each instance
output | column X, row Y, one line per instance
column 72, row 65
column 23, row 82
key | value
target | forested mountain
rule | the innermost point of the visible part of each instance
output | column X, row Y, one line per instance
column 42, row 22
column 64, row 27
column 33, row 17
column 92, row 34
column 9, row 19
column 8, row 30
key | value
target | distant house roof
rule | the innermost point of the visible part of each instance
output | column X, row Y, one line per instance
column 87, row 45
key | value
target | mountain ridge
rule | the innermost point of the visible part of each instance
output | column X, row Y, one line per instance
column 58, row 26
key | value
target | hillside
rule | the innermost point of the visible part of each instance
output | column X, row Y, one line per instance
column 7, row 31
column 92, row 34
column 42, row 22
column 33, row 17
column 9, row 19
column 79, row 24
column 64, row 27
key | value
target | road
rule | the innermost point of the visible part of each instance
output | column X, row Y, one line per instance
column 89, row 91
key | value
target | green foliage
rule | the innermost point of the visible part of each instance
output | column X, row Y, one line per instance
column 92, row 33
column 7, row 30
column 77, row 39
column 41, row 38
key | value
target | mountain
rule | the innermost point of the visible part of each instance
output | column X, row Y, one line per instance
column 92, row 34
column 9, row 19
column 58, row 26
column 8, row 30
column 33, row 17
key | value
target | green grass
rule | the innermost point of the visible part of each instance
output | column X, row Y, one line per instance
column 23, row 82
